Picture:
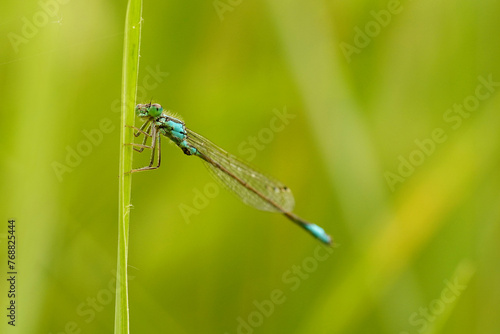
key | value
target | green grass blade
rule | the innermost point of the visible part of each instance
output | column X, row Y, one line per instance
column 129, row 88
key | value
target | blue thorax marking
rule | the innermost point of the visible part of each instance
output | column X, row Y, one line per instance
column 175, row 129
column 172, row 128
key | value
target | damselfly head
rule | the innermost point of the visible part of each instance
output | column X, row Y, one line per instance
column 148, row 110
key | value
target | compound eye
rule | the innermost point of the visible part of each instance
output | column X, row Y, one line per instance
column 140, row 109
column 155, row 110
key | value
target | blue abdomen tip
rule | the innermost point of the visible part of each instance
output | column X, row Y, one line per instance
column 319, row 233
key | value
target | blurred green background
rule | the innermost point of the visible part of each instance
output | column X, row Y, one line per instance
column 392, row 146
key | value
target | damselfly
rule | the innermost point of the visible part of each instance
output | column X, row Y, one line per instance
column 252, row 187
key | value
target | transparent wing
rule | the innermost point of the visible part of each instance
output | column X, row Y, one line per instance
column 270, row 188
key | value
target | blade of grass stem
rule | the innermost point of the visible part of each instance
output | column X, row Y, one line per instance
column 130, row 73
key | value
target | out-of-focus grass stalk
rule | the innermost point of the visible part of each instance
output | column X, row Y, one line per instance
column 130, row 73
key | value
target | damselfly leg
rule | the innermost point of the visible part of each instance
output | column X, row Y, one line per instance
column 151, row 131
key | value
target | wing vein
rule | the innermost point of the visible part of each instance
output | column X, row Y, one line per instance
column 268, row 187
